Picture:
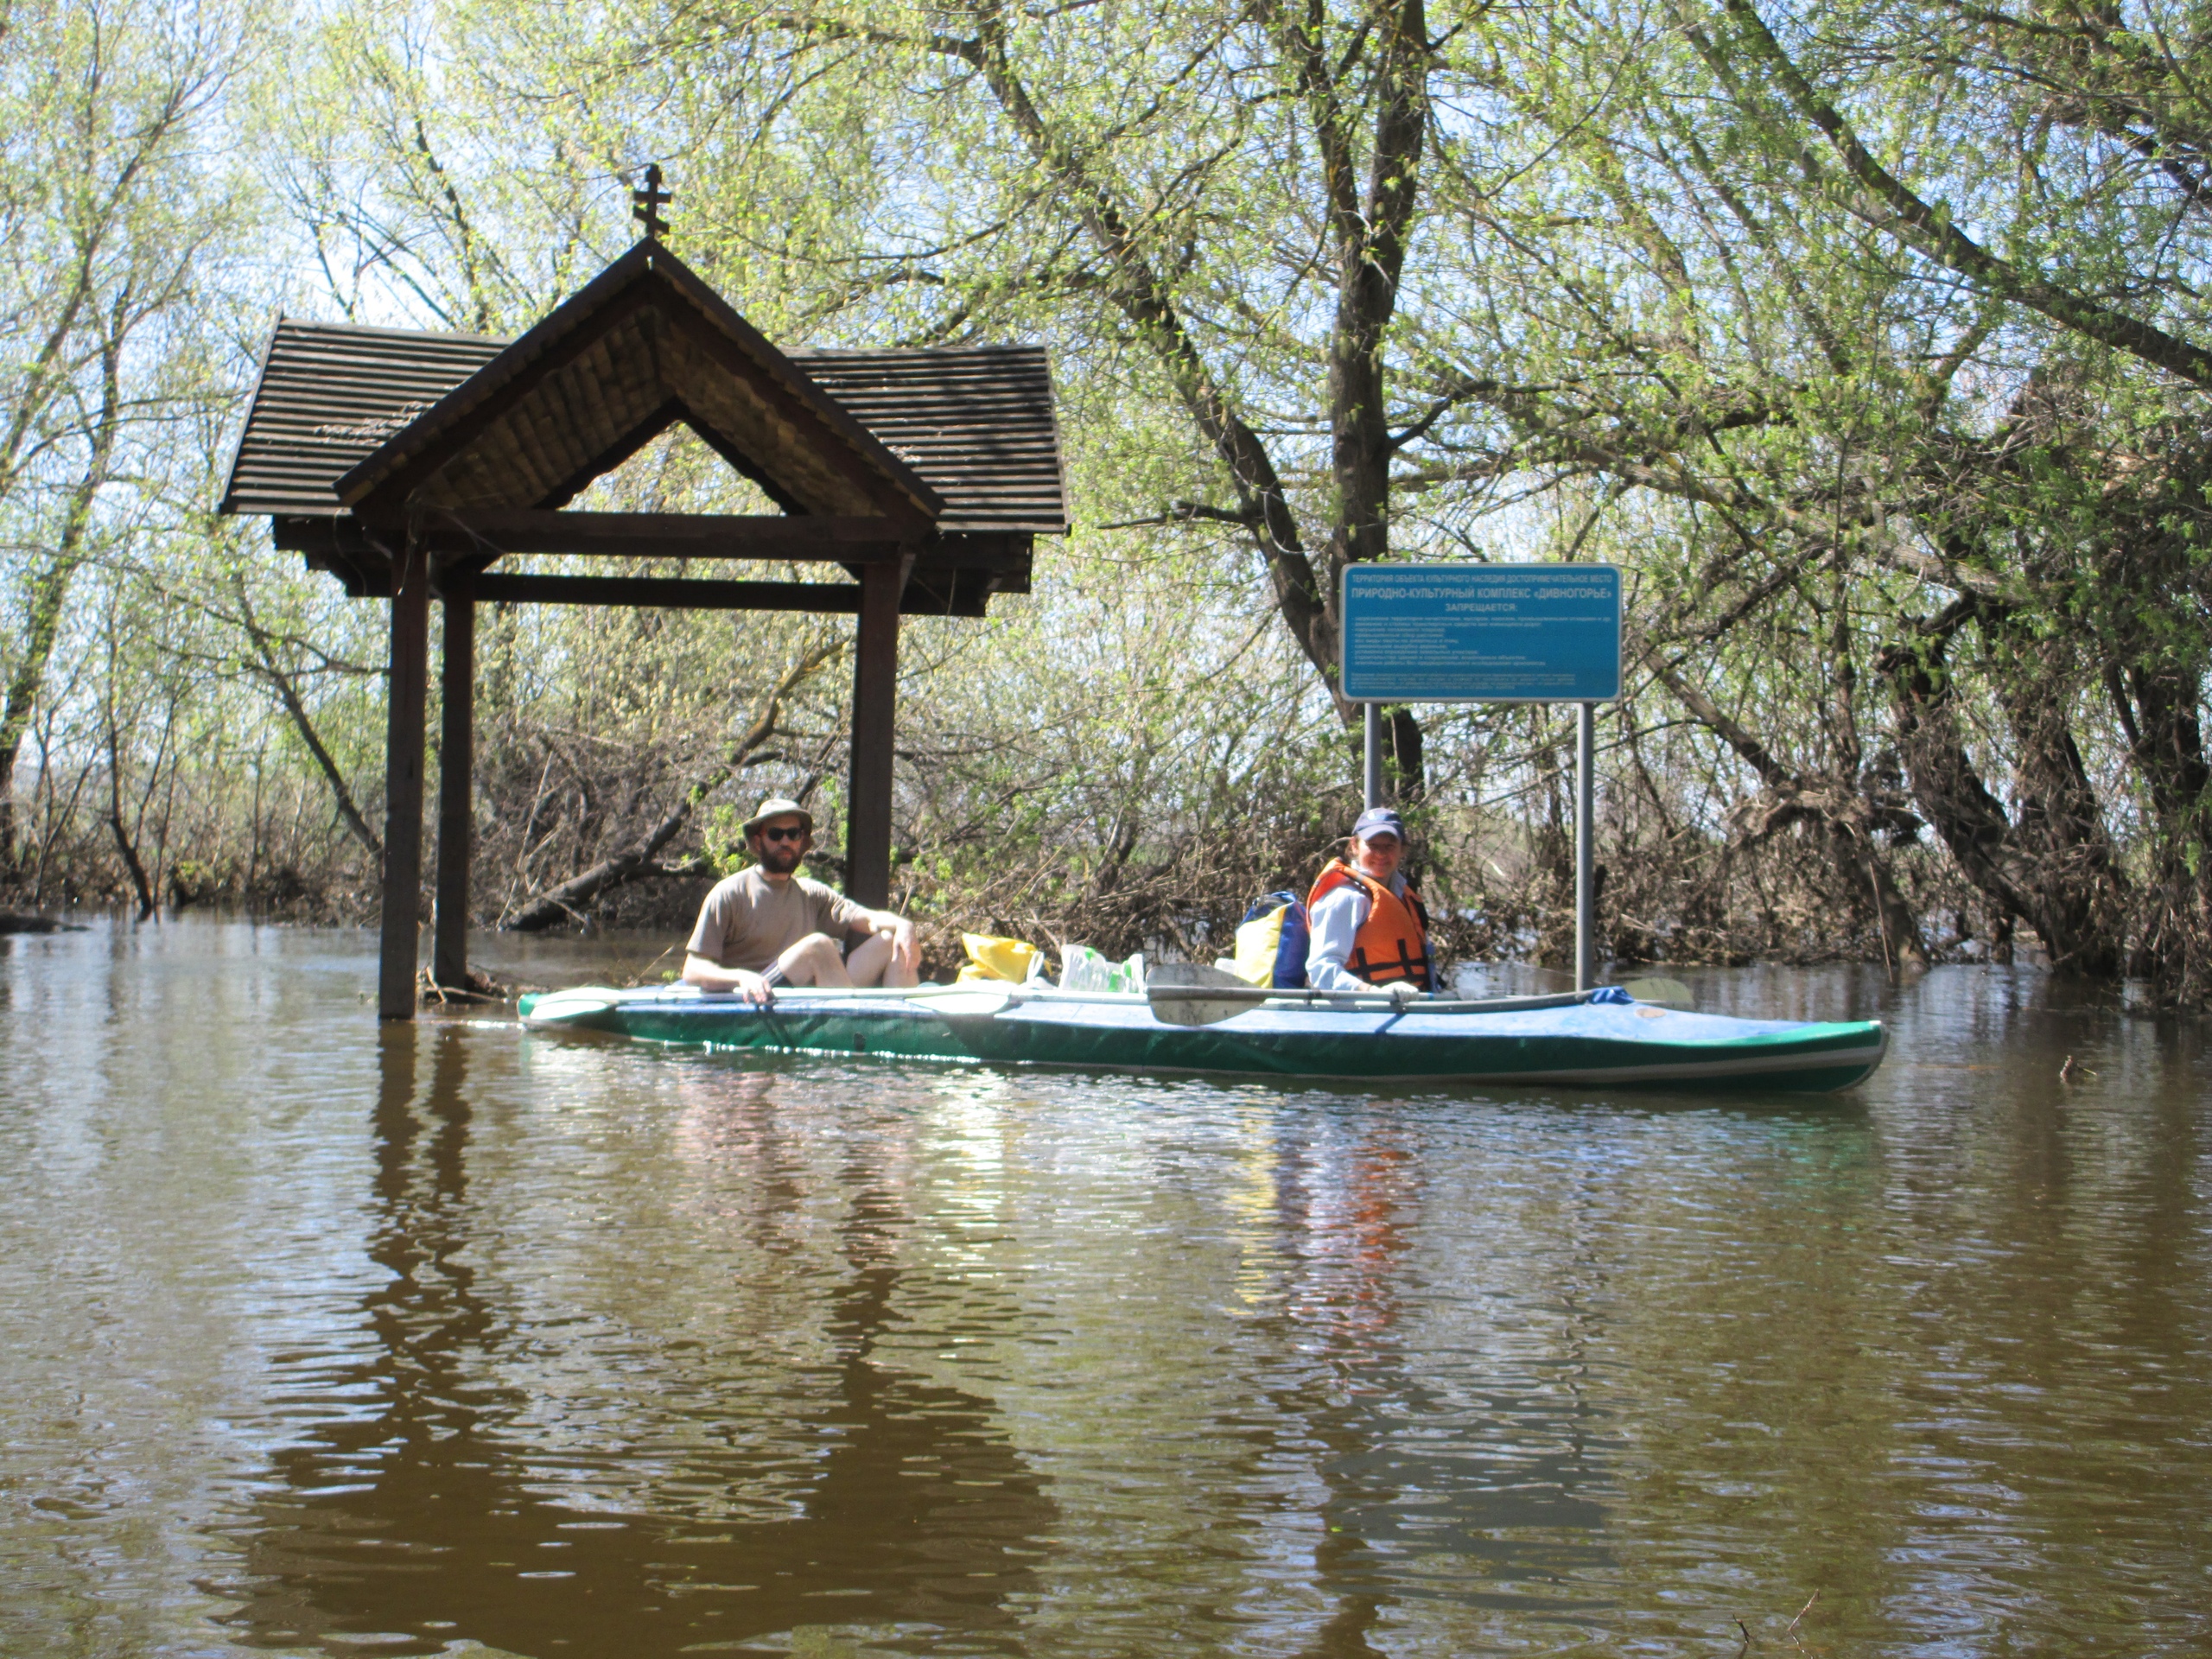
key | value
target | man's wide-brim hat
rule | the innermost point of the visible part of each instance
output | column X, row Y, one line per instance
column 777, row 807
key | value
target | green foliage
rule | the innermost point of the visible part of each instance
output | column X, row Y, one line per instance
column 1869, row 339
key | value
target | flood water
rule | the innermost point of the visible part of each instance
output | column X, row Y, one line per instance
column 319, row 1338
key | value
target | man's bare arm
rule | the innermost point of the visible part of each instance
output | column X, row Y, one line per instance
column 906, row 950
column 712, row 976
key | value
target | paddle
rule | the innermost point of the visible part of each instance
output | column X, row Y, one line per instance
column 1660, row 991
column 1666, row 993
column 951, row 1001
column 959, row 999
column 1657, row 990
column 1191, row 994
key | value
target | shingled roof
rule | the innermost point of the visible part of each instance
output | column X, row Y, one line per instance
column 975, row 425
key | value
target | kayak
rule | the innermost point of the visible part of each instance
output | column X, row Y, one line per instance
column 1602, row 1037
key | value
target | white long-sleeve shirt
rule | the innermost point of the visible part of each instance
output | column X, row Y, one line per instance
column 1335, row 925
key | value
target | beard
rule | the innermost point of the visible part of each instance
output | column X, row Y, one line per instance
column 778, row 857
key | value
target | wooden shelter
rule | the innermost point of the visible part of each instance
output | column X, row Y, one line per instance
column 409, row 464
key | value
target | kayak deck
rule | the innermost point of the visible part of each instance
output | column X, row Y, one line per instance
column 1614, row 1042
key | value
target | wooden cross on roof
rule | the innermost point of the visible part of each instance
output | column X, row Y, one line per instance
column 648, row 203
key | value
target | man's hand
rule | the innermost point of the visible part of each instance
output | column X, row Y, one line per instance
column 712, row 976
column 1402, row 990
column 906, row 948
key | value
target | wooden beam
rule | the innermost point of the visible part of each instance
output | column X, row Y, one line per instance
column 456, row 763
column 627, row 445
column 681, row 594
column 841, row 536
column 399, row 934
column 345, row 546
column 875, row 698
column 743, row 464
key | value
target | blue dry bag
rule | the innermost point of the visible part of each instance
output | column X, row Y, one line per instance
column 1271, row 942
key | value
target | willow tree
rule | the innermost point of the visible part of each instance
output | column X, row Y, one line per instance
column 1220, row 207
column 1889, row 315
column 105, row 219
column 1396, row 269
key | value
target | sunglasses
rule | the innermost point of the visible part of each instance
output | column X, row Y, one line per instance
column 787, row 832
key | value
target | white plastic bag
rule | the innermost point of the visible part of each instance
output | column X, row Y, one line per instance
column 1082, row 968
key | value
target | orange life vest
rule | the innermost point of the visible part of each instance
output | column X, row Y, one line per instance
column 1392, row 943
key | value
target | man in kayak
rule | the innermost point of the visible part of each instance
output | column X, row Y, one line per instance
column 1369, row 929
column 767, row 926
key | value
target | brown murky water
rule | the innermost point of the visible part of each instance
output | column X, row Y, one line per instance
column 315, row 1338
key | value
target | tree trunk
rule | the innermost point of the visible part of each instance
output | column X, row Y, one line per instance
column 49, row 594
column 123, row 844
column 1406, row 775
column 2157, row 711
column 2054, row 866
column 1370, row 224
column 266, row 665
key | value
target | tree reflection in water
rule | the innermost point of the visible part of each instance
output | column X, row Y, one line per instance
column 413, row 1511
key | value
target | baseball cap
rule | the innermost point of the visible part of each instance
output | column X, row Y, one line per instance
column 1379, row 820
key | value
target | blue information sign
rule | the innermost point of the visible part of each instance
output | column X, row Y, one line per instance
column 1482, row 633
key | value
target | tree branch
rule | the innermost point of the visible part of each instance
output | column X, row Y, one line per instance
column 1888, row 204
column 563, row 903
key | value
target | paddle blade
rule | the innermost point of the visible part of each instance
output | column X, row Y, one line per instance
column 557, row 1008
column 1666, row 993
column 1177, row 991
column 1179, row 975
column 964, row 1002
column 1199, row 1010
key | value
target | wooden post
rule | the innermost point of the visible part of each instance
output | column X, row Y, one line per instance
column 403, row 772
column 875, row 695
column 456, row 765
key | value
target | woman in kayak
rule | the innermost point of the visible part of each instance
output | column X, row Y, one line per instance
column 1369, row 928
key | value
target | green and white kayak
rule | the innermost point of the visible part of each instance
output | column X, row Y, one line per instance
column 1602, row 1037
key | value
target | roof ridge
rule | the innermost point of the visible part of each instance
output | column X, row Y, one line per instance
column 390, row 331
column 917, row 351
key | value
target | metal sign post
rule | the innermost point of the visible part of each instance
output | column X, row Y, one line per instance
column 1585, row 845
column 1372, row 753
column 1491, row 633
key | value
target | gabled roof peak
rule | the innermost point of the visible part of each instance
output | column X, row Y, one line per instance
column 643, row 344
column 976, row 421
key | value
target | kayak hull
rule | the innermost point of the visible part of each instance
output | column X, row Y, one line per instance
column 1629, row 1045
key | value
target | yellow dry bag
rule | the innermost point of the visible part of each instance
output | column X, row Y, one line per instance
column 993, row 959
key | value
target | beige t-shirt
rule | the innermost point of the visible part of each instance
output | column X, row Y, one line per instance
column 747, row 922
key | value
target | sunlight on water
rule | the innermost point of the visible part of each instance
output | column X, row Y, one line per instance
column 319, row 1338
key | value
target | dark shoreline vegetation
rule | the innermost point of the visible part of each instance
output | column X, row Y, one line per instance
column 1869, row 341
